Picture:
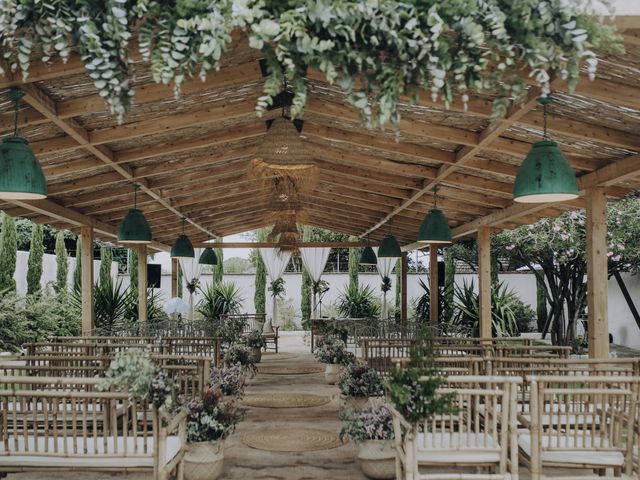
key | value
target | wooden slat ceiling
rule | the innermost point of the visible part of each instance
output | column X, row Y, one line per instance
column 191, row 154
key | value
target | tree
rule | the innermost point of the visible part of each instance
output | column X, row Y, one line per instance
column 36, row 254
column 106, row 259
column 260, row 296
column 8, row 254
column 237, row 265
column 399, row 288
column 133, row 272
column 218, row 269
column 305, row 294
column 62, row 264
column 449, row 283
column 77, row 273
column 354, row 264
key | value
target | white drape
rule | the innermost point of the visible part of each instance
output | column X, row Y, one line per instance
column 314, row 259
column 275, row 262
column 385, row 267
column 191, row 270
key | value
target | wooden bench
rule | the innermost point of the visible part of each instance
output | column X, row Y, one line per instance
column 61, row 430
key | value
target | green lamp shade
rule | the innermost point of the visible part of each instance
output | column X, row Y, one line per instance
column 434, row 228
column 545, row 176
column 389, row 248
column 182, row 248
column 208, row 257
column 21, row 176
column 134, row 228
column 368, row 257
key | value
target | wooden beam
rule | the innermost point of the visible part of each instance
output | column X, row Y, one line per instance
column 434, row 291
column 597, row 274
column 142, row 284
column 174, row 277
column 86, row 233
column 274, row 244
column 484, row 280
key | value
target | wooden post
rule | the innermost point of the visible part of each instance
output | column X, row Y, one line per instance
column 86, row 233
column 404, row 267
column 142, row 284
column 174, row 277
column 434, row 293
column 484, row 280
column 597, row 278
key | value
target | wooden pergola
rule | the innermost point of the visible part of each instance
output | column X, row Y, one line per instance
column 190, row 156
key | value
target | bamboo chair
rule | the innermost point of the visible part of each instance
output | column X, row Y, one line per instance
column 581, row 422
column 463, row 438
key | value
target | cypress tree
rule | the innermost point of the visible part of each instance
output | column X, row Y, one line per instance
column 62, row 264
column 77, row 272
column 354, row 259
column 8, row 253
column 218, row 268
column 541, row 302
column 133, row 272
column 34, row 265
column 259, row 296
column 180, row 281
column 449, row 282
column 398, row 285
column 305, row 301
column 106, row 258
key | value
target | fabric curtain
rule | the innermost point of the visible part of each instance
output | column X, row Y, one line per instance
column 275, row 262
column 314, row 260
column 385, row 267
column 191, row 270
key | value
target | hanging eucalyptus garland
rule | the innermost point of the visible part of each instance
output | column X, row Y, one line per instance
column 377, row 51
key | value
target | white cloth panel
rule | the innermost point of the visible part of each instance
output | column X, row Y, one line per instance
column 191, row 269
column 385, row 267
column 275, row 262
column 314, row 259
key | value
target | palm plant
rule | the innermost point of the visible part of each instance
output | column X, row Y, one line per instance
column 111, row 301
column 423, row 304
column 219, row 298
column 358, row 301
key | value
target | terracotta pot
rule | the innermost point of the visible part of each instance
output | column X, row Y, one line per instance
column 204, row 460
column 331, row 372
column 378, row 459
column 256, row 354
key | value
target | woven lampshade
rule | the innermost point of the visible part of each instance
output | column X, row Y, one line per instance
column 282, row 157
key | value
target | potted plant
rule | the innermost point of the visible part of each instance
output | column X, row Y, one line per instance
column 256, row 342
column 239, row 354
column 333, row 352
column 372, row 429
column 231, row 379
column 358, row 382
column 210, row 420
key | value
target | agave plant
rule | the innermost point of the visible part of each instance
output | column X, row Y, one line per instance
column 155, row 312
column 111, row 301
column 219, row 298
column 358, row 301
column 423, row 304
column 504, row 304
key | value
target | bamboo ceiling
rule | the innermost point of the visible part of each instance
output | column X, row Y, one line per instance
column 191, row 154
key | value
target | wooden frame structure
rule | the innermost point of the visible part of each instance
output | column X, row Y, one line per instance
column 190, row 157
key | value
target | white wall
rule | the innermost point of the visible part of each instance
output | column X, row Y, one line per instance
column 621, row 323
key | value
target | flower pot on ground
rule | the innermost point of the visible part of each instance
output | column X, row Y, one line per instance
column 239, row 354
column 204, row 460
column 372, row 429
column 255, row 342
column 333, row 352
column 358, row 383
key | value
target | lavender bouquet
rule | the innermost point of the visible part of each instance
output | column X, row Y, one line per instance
column 371, row 423
column 334, row 351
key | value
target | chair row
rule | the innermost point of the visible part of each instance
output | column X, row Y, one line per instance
column 582, row 422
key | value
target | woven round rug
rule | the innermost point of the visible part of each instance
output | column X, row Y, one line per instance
column 292, row 440
column 278, row 356
column 295, row 370
column 285, row 400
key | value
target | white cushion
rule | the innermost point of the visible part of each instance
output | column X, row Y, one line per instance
column 268, row 328
column 457, row 448
column 36, row 455
column 573, row 451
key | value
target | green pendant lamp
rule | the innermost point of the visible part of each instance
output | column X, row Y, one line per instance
column 389, row 248
column 21, row 176
column 134, row 227
column 368, row 256
column 434, row 228
column 208, row 257
column 182, row 247
column 545, row 175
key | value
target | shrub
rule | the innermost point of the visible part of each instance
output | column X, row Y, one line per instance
column 333, row 351
column 372, row 423
column 255, row 340
column 358, row 301
column 219, row 298
column 231, row 380
column 239, row 354
column 360, row 380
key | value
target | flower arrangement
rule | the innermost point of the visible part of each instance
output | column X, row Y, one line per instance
column 231, row 380
column 135, row 372
column 333, row 351
column 239, row 354
column 230, row 330
column 371, row 423
column 209, row 418
column 255, row 340
column 360, row 380
column 333, row 328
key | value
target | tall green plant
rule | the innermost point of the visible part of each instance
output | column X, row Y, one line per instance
column 358, row 301
column 62, row 264
column 219, row 298
column 423, row 304
column 504, row 304
column 36, row 255
column 106, row 259
column 77, row 272
column 354, row 265
column 398, row 288
column 111, row 300
column 218, row 269
column 541, row 303
column 260, row 293
column 8, row 254
column 180, row 281
column 449, row 282
column 133, row 272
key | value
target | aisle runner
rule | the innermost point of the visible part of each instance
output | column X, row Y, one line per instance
column 292, row 440
column 299, row 370
column 285, row 400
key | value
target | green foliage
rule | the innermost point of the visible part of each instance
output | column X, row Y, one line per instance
column 398, row 289
column 505, row 305
column 260, row 296
column 111, row 302
column 34, row 266
column 180, row 281
column 218, row 269
column 423, row 304
column 305, row 301
column 354, row 265
column 8, row 254
column 360, row 380
column 13, row 328
column 417, row 399
column 106, row 259
column 219, row 298
column 255, row 339
column 237, row 265
column 390, row 48
column 333, row 351
column 358, row 301
column 277, row 288
column 62, row 264
column 77, row 272
column 449, row 282
column 541, row 303
column 155, row 311
column 133, row 272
